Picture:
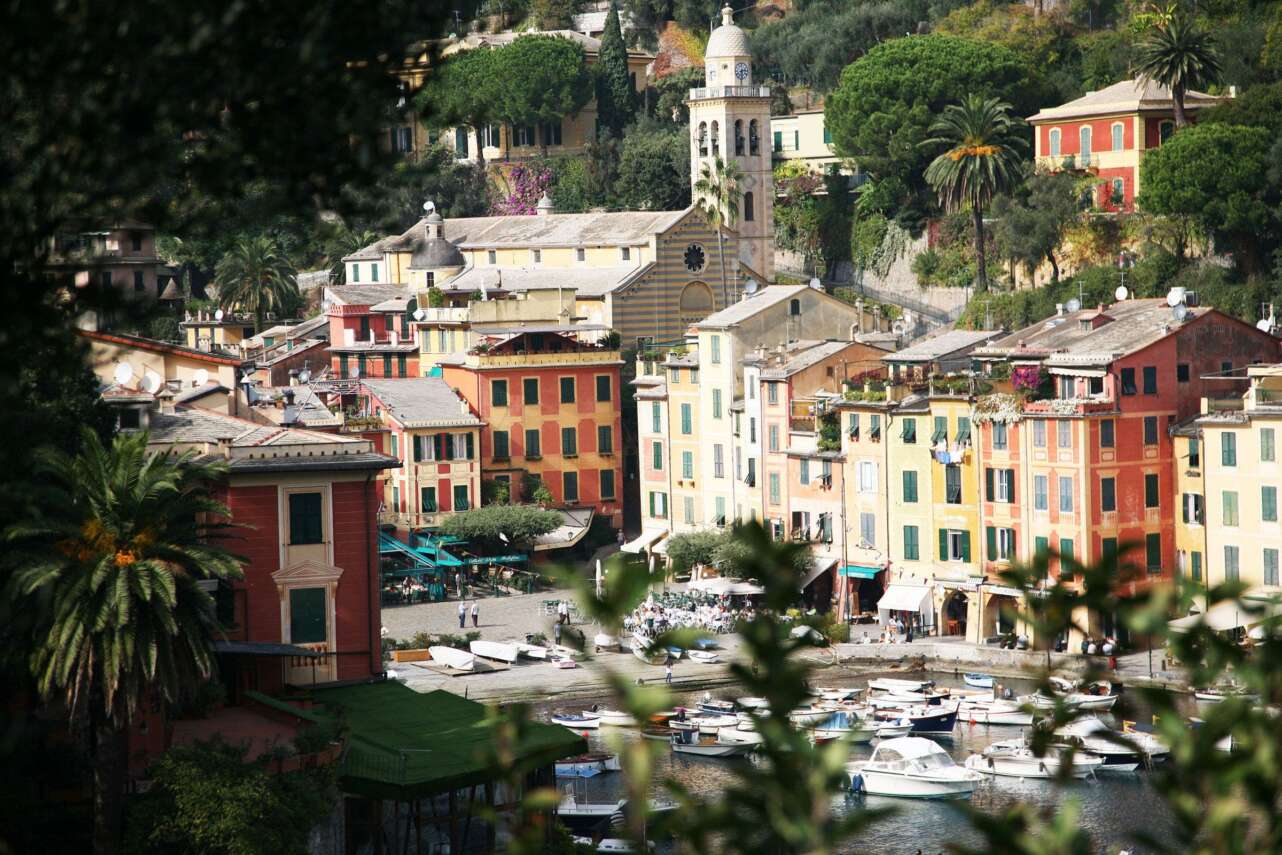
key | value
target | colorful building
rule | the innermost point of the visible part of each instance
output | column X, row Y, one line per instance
column 118, row 257
column 133, row 362
column 370, row 331
column 1107, row 132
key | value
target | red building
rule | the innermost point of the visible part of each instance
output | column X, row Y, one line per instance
column 550, row 403
column 1107, row 132
column 371, row 331
column 1082, row 462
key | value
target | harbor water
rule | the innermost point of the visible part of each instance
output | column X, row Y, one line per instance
column 1113, row 806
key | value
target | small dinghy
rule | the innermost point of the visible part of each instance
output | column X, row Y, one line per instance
column 587, row 765
column 913, row 768
column 888, row 684
column 845, row 725
column 711, row 705
column 612, row 718
column 452, row 657
column 753, row 703
column 995, row 712
column 575, row 721
column 658, row 732
column 689, row 742
column 703, row 657
column 894, row 729
column 712, row 723
column 530, row 651
column 978, row 681
column 640, row 647
column 605, row 641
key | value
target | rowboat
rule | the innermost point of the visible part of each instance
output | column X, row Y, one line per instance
column 703, row 657
column 497, row 650
column 459, row 660
column 979, row 681
column 605, row 641
column 613, row 718
column 752, row 703
column 687, row 742
column 576, row 722
column 719, row 707
column 641, row 649
column 888, row 684
column 995, row 712
column 1012, row 758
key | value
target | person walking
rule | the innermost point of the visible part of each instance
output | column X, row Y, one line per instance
column 667, row 672
column 556, row 633
column 458, row 584
column 462, row 615
column 476, row 614
column 563, row 612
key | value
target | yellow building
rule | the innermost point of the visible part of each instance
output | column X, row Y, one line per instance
column 865, row 419
column 685, row 441
column 217, row 331
column 1190, row 493
column 804, row 136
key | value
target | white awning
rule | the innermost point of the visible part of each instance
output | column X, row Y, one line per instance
column 1078, row 372
column 661, row 548
column 645, row 540
column 574, row 525
column 1004, row 591
column 904, row 598
column 1231, row 614
column 820, row 565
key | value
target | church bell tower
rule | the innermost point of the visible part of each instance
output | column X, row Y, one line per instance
column 730, row 119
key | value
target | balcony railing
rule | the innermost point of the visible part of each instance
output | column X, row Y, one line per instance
column 707, row 92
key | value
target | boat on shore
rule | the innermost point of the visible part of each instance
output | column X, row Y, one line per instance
column 889, row 684
column 978, row 681
column 704, row 657
column 1013, row 758
column 914, row 768
column 452, row 657
column 605, row 641
column 499, row 651
column 640, row 648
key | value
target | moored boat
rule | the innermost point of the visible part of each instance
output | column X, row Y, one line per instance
column 587, row 765
column 845, row 725
column 578, row 814
column 995, row 712
column 979, row 681
column 1013, row 758
column 753, row 703
column 689, row 742
column 576, row 722
column 926, row 719
column 912, row 767
column 719, row 707
column 1121, row 752
column 889, row 684
column 612, row 718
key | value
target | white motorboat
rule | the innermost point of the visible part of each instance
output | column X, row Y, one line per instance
column 995, row 712
column 620, row 845
column 712, row 723
column 912, row 767
column 704, row 657
column 576, row 722
column 888, row 684
column 940, row 718
column 807, row 716
column 894, row 729
column 1217, row 694
column 753, row 703
column 612, row 718
column 922, row 696
column 530, row 651
column 497, row 650
column 716, row 706
column 978, row 681
column 740, row 734
column 587, row 765
column 1013, row 758
column 836, row 693
column 605, row 641
column 847, row 726
column 1125, row 753
column 577, row 813
column 688, row 742
column 452, row 657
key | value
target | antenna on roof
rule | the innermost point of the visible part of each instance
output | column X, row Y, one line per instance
column 419, row 314
column 751, row 287
column 816, row 284
column 123, row 374
column 1181, row 312
column 1121, row 293
column 1175, row 296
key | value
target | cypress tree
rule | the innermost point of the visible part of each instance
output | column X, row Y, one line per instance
column 616, row 98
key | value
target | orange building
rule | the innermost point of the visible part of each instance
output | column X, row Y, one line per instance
column 371, row 331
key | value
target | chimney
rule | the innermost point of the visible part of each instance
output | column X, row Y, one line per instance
column 876, row 318
column 1059, row 308
column 165, row 401
column 293, row 376
column 545, row 206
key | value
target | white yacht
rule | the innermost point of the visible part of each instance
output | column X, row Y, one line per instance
column 912, row 767
column 995, row 712
column 1091, row 734
column 1013, row 758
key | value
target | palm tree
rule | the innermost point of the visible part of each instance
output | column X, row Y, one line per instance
column 717, row 196
column 981, row 161
column 1181, row 56
column 256, row 277
column 111, row 569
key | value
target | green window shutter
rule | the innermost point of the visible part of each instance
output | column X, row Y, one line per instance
column 305, row 518
column 943, row 544
column 1153, row 552
column 1010, row 485
column 418, row 448
column 1151, row 499
column 652, row 504
column 965, row 539
column 1066, row 547
column 941, row 430
column 1041, row 545
column 910, row 485
column 988, row 484
column 471, row 446
column 402, row 365
column 342, row 365
column 687, row 422
column 656, row 452
column 990, row 535
column 307, row 615
column 1269, row 504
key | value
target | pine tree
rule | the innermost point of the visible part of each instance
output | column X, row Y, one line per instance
column 616, row 98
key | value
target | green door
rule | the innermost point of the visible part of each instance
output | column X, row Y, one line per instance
column 307, row 615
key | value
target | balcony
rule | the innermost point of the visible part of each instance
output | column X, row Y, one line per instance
column 708, row 92
column 594, row 356
column 444, row 315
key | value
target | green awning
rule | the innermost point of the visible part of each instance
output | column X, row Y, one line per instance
column 859, row 571
column 495, row 559
column 963, row 430
column 403, row 744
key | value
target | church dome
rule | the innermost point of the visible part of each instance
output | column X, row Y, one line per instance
column 434, row 253
column 727, row 40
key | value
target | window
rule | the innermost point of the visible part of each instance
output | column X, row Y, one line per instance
column 607, row 484
column 1066, row 494
column 1041, row 500
column 1268, row 448
column 570, row 486
column 656, row 456
column 1229, row 500
column 687, row 504
column 1063, row 434
column 1231, row 564
column 1001, row 544
column 1039, row 434
column 910, row 486
column 605, row 439
column 140, row 282
column 748, row 213
column 1000, row 440
column 772, row 438
column 533, row 444
column 1228, row 449
column 305, row 524
column 868, row 529
column 625, row 253
column 491, row 256
column 1117, row 194
column 1269, row 504
column 501, row 451
column 1107, row 495
column 1054, row 142
column 373, row 273
column 716, row 403
column 1084, row 145
column 567, row 390
column 854, row 426
column 1195, row 453
column 1128, row 381
column 694, row 375
column 912, row 544
column 656, row 418
column 805, row 471
column 498, row 393
column 536, row 256
column 461, row 499
column 1065, row 549
column 687, row 465
column 774, row 488
column 402, row 365
column 387, row 365
column 1270, row 566
column 909, row 434
column 687, row 425
column 794, row 308
column 963, row 429
column 952, row 484
column 427, row 496
column 827, row 136
column 1106, row 437
column 999, row 485
column 954, row 545
column 570, row 442
column 1150, row 430
column 307, row 616
column 1108, row 547
column 604, row 388
column 1151, row 497
column 1164, row 131
column 874, row 428
column 463, row 446
column 659, row 505
column 1118, row 136
column 1153, row 552
column 1194, row 511
column 738, row 137
column 1041, row 546
column 1150, row 380
column 718, row 461
column 778, row 139
column 752, row 429
column 1195, row 566
column 551, row 133
column 867, row 476
column 772, row 393
column 714, row 349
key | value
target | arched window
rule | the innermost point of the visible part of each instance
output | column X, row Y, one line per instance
column 738, row 137
column 716, row 140
column 703, row 139
column 748, row 214
column 1054, row 142
column 754, row 139
column 1084, row 136
column 695, row 302
column 1119, row 136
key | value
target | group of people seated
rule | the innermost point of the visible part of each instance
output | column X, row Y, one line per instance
column 662, row 612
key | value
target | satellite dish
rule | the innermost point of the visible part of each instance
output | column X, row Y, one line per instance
column 201, row 377
column 751, row 287
column 304, row 376
column 419, row 314
column 1175, row 296
column 816, row 284
column 218, row 315
column 429, row 206
column 123, row 374
column 150, row 383
column 1180, row 311
column 1073, row 305
column 1264, row 324
column 1120, row 293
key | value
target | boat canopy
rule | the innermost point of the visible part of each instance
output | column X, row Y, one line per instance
column 906, row 748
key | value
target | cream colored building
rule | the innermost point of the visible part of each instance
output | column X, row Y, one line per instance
column 804, row 136
column 130, row 362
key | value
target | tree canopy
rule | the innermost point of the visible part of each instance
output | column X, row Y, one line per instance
column 520, row 524
column 1031, row 224
column 616, row 96
column 464, row 90
column 886, row 101
column 542, row 79
column 653, row 173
